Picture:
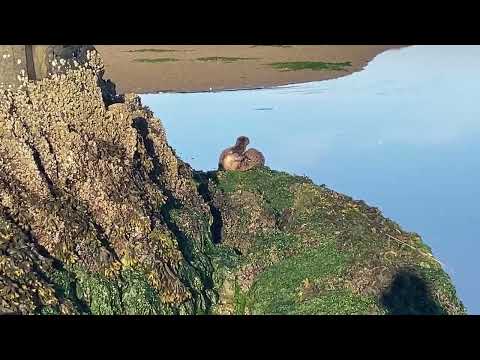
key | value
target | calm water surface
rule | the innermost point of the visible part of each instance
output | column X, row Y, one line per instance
column 403, row 135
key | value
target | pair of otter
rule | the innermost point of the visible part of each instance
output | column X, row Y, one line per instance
column 239, row 159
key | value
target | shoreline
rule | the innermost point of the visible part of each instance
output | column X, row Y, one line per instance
column 184, row 72
column 266, row 87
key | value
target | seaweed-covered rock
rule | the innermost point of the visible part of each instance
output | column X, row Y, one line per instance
column 292, row 247
column 99, row 216
column 29, row 281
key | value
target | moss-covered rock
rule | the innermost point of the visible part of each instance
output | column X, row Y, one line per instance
column 320, row 253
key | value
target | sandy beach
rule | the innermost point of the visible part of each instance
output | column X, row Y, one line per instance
column 185, row 68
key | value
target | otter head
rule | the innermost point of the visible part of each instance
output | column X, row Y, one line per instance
column 242, row 143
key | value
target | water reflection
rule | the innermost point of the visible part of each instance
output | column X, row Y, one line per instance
column 401, row 135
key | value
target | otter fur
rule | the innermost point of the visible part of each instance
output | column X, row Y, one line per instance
column 252, row 158
column 237, row 158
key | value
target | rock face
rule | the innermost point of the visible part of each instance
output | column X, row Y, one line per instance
column 95, row 189
column 99, row 216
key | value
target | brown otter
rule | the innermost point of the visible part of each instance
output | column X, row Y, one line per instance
column 236, row 158
column 252, row 159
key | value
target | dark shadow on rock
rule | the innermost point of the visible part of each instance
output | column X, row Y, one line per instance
column 185, row 243
column 409, row 294
column 217, row 223
column 109, row 92
column 141, row 125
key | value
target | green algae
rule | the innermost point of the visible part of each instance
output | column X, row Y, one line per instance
column 138, row 296
column 273, row 186
column 310, row 65
column 328, row 254
column 275, row 290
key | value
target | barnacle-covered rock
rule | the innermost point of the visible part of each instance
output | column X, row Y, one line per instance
column 93, row 183
column 35, row 62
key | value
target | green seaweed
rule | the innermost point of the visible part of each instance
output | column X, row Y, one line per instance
column 310, row 65
column 330, row 255
column 65, row 286
column 102, row 295
column 138, row 296
column 338, row 302
column 155, row 60
column 275, row 187
column 223, row 59
column 275, row 290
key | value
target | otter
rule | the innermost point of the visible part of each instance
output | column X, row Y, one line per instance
column 238, row 158
column 252, row 158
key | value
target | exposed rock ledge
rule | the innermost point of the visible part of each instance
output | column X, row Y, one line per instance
column 99, row 216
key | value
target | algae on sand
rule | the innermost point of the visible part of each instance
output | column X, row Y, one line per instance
column 155, row 60
column 310, row 65
column 224, row 59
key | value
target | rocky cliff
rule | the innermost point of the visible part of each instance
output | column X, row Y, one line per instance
column 98, row 215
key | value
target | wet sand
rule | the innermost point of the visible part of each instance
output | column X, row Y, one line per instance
column 183, row 72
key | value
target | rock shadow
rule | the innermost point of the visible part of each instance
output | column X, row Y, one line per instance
column 409, row 294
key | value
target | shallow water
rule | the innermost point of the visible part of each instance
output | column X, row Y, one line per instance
column 401, row 135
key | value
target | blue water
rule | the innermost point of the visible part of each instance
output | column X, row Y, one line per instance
column 402, row 135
